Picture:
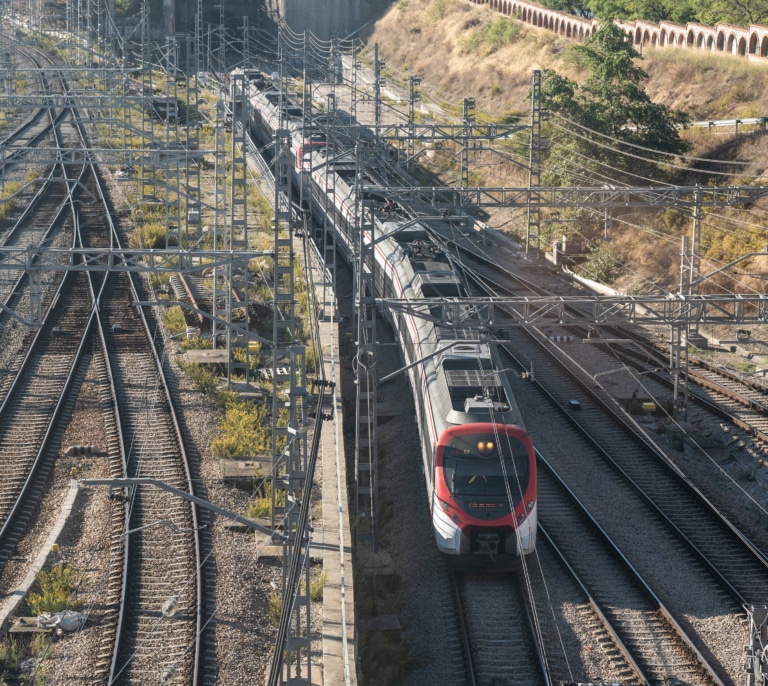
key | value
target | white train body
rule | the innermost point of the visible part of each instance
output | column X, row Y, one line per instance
column 478, row 461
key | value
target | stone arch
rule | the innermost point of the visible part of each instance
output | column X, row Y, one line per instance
column 557, row 25
column 655, row 40
column 534, row 18
column 672, row 39
column 568, row 30
column 581, row 33
column 764, row 47
column 691, row 38
column 541, row 19
column 700, row 41
column 720, row 45
column 646, row 37
column 731, row 46
column 663, row 38
column 638, row 35
column 753, row 44
column 741, row 48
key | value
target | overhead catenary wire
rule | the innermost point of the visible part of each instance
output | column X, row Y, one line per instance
column 651, row 161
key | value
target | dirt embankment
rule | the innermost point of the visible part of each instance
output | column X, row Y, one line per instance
column 465, row 50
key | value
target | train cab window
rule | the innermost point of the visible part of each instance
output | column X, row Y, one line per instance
column 487, row 466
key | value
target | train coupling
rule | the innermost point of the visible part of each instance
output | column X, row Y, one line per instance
column 487, row 543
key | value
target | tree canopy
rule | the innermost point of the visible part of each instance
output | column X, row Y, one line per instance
column 607, row 127
column 710, row 12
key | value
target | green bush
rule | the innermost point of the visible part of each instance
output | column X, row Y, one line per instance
column 275, row 607
column 174, row 321
column 316, row 586
column 151, row 236
column 493, row 36
column 57, row 586
column 261, row 505
column 203, row 379
column 241, row 432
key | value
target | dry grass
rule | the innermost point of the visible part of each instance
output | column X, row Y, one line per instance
column 431, row 38
column 451, row 69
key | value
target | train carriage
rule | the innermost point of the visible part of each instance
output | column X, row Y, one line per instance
column 479, row 462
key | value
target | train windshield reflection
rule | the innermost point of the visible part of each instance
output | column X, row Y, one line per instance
column 470, row 473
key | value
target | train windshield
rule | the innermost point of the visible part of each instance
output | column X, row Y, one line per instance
column 490, row 466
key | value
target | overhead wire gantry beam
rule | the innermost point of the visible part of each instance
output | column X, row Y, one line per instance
column 683, row 197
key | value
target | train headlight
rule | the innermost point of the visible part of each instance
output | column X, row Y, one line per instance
column 485, row 448
column 455, row 518
column 445, row 506
column 530, row 505
column 521, row 518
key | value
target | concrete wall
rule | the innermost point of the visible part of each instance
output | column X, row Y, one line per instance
column 751, row 41
column 327, row 18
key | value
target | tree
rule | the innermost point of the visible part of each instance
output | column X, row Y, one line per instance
column 611, row 101
column 740, row 12
column 711, row 12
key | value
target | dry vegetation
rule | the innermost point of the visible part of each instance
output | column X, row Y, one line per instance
column 434, row 38
column 450, row 44
column 463, row 50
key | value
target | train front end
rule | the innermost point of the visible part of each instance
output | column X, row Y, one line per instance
column 484, row 509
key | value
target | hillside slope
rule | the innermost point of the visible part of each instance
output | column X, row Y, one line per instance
column 463, row 50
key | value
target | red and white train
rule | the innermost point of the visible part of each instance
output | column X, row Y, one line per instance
column 478, row 460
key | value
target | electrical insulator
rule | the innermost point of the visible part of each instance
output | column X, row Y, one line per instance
column 167, row 674
column 170, row 606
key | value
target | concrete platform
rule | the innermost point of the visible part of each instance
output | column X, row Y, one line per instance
column 333, row 539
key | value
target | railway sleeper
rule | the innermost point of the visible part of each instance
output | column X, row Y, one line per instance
column 82, row 450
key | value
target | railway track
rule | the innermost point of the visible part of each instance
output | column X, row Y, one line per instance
column 152, row 616
column 43, row 365
column 155, row 633
column 34, row 404
column 572, row 623
column 650, row 632
column 498, row 630
column 719, row 559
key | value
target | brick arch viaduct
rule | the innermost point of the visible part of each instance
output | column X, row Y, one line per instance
column 750, row 42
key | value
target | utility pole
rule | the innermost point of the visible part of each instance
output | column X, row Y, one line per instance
column 378, row 84
column 468, row 119
column 366, row 443
column 533, row 229
column 413, row 96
